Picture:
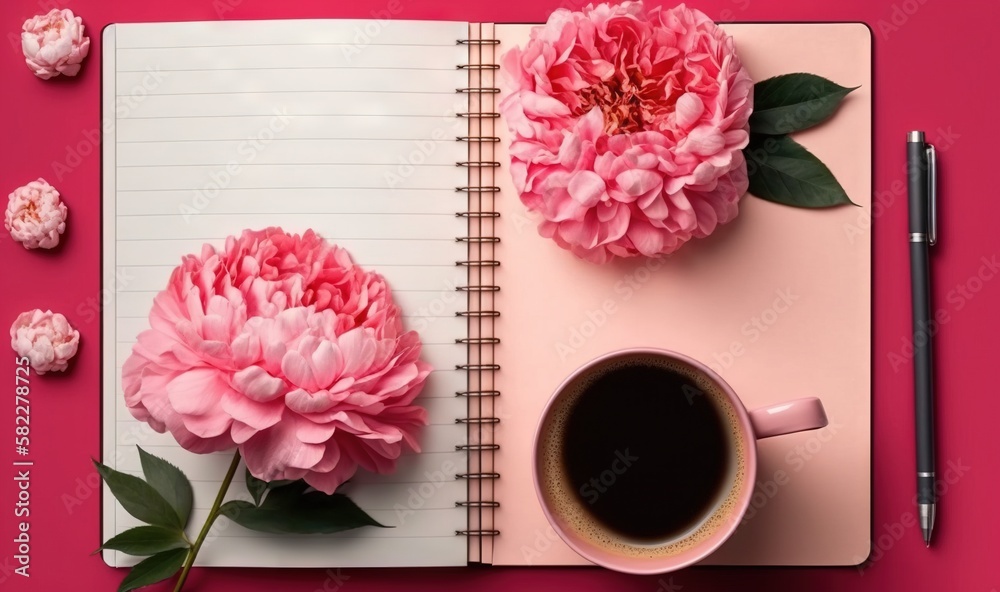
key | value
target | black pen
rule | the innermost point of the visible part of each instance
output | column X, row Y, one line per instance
column 922, row 177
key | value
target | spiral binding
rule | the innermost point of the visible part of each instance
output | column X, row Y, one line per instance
column 477, row 476
column 479, row 393
column 478, row 532
column 478, row 340
column 478, row 313
column 477, row 420
column 477, row 447
column 478, row 265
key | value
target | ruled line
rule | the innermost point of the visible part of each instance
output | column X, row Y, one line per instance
column 302, row 139
column 296, row 188
column 252, row 68
column 296, row 91
column 243, row 212
column 289, row 116
column 175, row 47
column 255, row 164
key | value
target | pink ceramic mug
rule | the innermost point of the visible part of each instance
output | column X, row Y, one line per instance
column 592, row 539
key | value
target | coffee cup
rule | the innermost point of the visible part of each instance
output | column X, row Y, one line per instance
column 645, row 459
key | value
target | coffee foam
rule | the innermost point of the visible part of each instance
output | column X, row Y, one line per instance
column 561, row 498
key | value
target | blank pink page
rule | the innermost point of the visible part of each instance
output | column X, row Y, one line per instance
column 777, row 301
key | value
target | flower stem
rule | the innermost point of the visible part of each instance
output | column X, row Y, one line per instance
column 212, row 515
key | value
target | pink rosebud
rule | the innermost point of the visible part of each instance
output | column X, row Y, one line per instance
column 45, row 338
column 627, row 128
column 35, row 215
column 54, row 44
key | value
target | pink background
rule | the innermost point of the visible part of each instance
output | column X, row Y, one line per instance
column 695, row 303
column 932, row 71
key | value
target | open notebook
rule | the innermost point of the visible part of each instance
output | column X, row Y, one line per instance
column 385, row 144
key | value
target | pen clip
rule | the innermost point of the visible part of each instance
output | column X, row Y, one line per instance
column 932, row 195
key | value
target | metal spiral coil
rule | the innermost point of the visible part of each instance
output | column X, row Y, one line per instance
column 480, row 289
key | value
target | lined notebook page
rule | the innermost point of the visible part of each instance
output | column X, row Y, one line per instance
column 345, row 127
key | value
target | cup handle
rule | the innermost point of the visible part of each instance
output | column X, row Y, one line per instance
column 789, row 417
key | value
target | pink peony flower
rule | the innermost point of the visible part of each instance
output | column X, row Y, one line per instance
column 45, row 338
column 35, row 216
column 279, row 345
column 628, row 128
column 54, row 44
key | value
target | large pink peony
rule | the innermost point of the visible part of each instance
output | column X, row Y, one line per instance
column 35, row 215
column 281, row 346
column 54, row 43
column 627, row 128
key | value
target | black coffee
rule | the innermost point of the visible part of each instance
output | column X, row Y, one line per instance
column 646, row 451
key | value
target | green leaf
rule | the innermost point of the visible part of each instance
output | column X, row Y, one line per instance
column 793, row 102
column 170, row 482
column 139, row 498
column 782, row 171
column 285, row 496
column 154, row 569
column 258, row 487
column 145, row 540
column 310, row 513
column 234, row 509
